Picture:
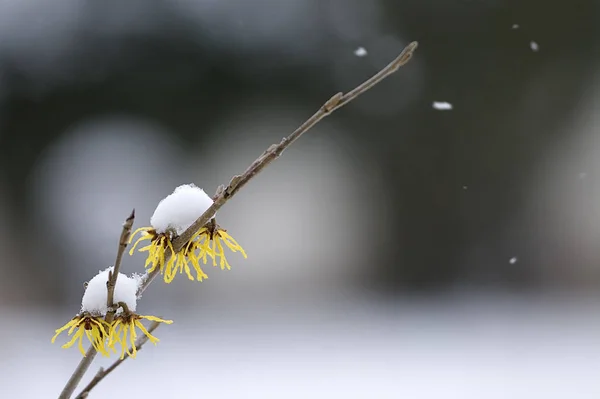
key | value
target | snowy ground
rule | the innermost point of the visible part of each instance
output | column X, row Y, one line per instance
column 472, row 347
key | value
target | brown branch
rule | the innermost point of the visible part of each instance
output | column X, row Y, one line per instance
column 87, row 360
column 103, row 373
column 112, row 276
column 237, row 182
column 275, row 150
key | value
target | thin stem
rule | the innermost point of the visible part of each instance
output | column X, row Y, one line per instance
column 103, row 373
column 275, row 150
column 85, row 363
column 82, row 367
column 112, row 276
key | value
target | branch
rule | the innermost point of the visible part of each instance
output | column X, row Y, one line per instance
column 87, row 360
column 112, row 276
column 239, row 181
column 103, row 373
column 275, row 150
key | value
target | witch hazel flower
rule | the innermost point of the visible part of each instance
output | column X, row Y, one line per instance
column 123, row 332
column 91, row 321
column 174, row 215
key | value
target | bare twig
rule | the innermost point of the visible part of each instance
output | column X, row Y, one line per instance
column 86, row 361
column 103, row 373
column 112, row 276
column 237, row 182
column 275, row 150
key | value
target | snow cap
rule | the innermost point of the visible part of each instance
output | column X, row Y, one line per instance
column 179, row 210
column 94, row 297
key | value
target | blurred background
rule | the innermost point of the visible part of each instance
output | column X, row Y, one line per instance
column 399, row 249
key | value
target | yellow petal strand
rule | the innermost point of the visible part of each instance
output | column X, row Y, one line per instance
column 123, row 340
column 190, row 243
column 90, row 337
column 146, row 248
column 183, row 264
column 144, row 229
column 100, row 323
column 76, row 325
column 150, row 260
column 214, row 252
column 72, row 322
column 184, row 255
column 100, row 338
column 156, row 255
column 151, row 337
column 169, row 278
column 142, row 238
column 223, row 262
column 157, row 319
column 173, row 265
column 114, row 333
column 231, row 243
column 205, row 248
column 117, row 339
column 80, row 342
column 169, row 272
column 78, row 336
column 97, row 343
column 132, row 337
column 74, row 338
column 200, row 275
column 161, row 252
column 110, row 343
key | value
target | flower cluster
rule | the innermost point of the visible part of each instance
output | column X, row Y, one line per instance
column 173, row 216
column 106, row 334
column 115, row 328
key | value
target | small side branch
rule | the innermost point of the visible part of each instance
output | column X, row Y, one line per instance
column 102, row 373
column 112, row 276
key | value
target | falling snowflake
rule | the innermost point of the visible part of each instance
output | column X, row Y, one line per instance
column 534, row 46
column 442, row 105
column 360, row 52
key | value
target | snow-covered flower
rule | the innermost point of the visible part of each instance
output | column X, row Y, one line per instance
column 91, row 321
column 173, row 215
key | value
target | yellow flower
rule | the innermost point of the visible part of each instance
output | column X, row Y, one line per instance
column 206, row 243
column 157, row 249
column 217, row 237
column 93, row 327
column 122, row 332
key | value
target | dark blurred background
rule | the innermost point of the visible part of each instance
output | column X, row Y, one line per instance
column 391, row 203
